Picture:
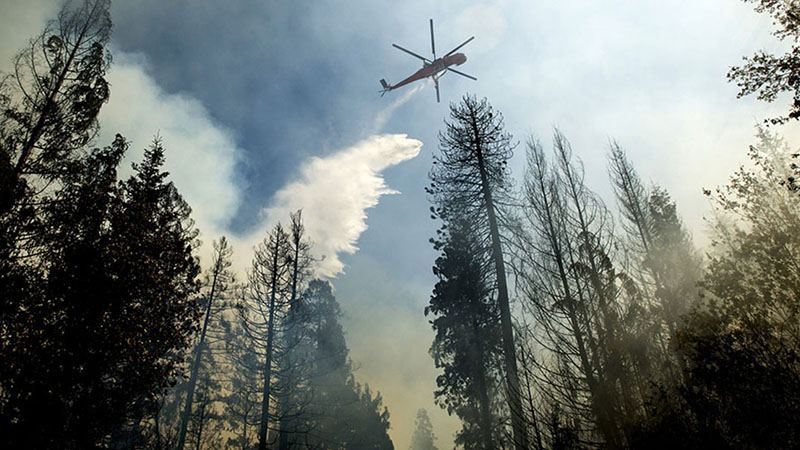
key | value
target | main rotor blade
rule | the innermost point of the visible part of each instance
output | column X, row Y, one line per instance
column 456, row 49
column 462, row 74
column 433, row 46
column 411, row 53
column 436, row 84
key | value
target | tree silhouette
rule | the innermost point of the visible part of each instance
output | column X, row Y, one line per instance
column 220, row 278
column 115, row 307
column 467, row 345
column 469, row 179
column 740, row 380
column 768, row 75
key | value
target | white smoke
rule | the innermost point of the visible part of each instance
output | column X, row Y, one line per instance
column 201, row 154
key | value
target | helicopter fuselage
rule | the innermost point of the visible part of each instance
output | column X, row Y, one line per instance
column 433, row 69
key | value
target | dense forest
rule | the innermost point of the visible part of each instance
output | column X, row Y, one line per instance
column 561, row 319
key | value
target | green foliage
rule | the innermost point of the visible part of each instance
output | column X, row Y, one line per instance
column 467, row 344
column 342, row 414
column 738, row 349
column 470, row 185
column 114, row 305
column 769, row 75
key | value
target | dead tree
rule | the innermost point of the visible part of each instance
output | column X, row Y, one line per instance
column 583, row 304
column 265, row 291
column 296, row 357
column 220, row 277
column 273, row 318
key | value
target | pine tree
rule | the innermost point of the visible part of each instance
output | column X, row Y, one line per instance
column 369, row 421
column 661, row 245
column 738, row 347
column 467, row 344
column 341, row 414
column 115, row 307
column 48, row 110
column 769, row 75
column 331, row 375
column 155, row 252
column 274, row 319
column 49, row 114
column 46, row 343
column 470, row 180
column 423, row 437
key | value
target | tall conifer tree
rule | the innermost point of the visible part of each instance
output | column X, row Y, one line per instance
column 470, row 180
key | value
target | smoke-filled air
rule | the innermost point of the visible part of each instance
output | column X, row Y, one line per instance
column 417, row 225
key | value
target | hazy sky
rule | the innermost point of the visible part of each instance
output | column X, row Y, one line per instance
column 268, row 106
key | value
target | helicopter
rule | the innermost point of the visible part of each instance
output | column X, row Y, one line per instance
column 431, row 68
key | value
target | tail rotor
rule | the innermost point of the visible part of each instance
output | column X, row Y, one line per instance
column 386, row 87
